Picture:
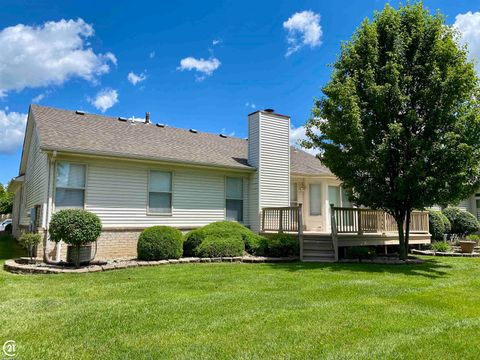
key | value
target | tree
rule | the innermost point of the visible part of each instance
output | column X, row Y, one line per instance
column 399, row 120
column 6, row 200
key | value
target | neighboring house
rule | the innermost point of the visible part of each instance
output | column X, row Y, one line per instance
column 136, row 174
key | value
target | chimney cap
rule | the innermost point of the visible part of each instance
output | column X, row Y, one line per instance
column 269, row 110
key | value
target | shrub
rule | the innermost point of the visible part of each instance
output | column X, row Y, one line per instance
column 29, row 241
column 75, row 227
column 221, row 229
column 473, row 237
column 280, row 245
column 439, row 224
column 462, row 222
column 441, row 246
column 221, row 246
column 160, row 243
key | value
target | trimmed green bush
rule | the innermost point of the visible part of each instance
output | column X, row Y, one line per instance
column 473, row 237
column 29, row 241
column 439, row 224
column 441, row 246
column 221, row 229
column 462, row 222
column 160, row 243
column 280, row 245
column 221, row 246
column 75, row 227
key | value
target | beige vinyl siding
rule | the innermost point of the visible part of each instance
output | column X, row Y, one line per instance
column 274, row 161
column 36, row 174
column 117, row 191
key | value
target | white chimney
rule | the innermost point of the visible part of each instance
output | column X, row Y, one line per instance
column 269, row 152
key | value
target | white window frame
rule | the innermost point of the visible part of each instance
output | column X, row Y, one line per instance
column 55, row 187
column 153, row 213
column 229, row 198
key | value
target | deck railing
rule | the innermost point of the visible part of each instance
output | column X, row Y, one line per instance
column 361, row 221
column 281, row 219
column 284, row 219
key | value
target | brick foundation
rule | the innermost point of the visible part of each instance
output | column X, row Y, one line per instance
column 112, row 244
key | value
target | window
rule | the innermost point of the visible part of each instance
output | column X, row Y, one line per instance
column 334, row 196
column 234, row 199
column 160, row 193
column 315, row 199
column 70, row 185
column 293, row 194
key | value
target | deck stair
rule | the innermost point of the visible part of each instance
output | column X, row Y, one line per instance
column 318, row 248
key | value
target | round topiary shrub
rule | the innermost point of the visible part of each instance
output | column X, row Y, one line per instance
column 438, row 224
column 192, row 240
column 160, row 243
column 221, row 246
column 281, row 245
column 195, row 237
column 462, row 222
column 75, row 227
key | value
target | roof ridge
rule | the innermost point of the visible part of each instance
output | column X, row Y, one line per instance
column 200, row 132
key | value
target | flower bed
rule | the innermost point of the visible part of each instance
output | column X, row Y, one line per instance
column 454, row 253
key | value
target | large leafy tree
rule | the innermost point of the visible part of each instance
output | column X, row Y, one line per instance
column 6, row 200
column 399, row 121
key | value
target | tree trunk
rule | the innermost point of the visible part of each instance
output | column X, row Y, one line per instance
column 401, row 235
column 407, row 231
column 77, row 262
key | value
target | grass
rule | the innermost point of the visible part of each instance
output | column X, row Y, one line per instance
column 297, row 311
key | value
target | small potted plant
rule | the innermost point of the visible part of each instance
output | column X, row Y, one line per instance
column 30, row 241
column 77, row 228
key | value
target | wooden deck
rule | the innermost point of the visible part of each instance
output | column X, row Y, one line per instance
column 350, row 227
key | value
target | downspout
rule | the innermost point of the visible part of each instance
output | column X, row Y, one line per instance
column 46, row 257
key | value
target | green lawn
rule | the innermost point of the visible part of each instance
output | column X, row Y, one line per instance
column 337, row 311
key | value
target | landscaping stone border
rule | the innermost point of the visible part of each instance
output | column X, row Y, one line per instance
column 440, row 253
column 22, row 265
column 384, row 261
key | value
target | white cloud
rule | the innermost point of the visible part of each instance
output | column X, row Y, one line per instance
column 105, row 99
column 216, row 42
column 134, row 78
column 298, row 134
column 12, row 128
column 229, row 134
column 250, row 104
column 39, row 97
column 49, row 54
column 205, row 67
column 468, row 25
column 151, row 55
column 303, row 29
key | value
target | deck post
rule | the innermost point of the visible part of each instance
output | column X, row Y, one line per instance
column 280, row 221
column 359, row 220
column 300, row 230
column 333, row 226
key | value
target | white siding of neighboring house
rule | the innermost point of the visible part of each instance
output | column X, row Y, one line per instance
column 36, row 174
column 117, row 191
column 269, row 152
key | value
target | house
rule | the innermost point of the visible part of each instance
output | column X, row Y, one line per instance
column 135, row 174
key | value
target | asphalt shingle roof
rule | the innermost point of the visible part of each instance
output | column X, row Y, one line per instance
column 65, row 130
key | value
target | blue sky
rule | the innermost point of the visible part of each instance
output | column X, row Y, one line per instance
column 202, row 65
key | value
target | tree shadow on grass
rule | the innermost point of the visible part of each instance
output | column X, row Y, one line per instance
column 431, row 268
column 9, row 247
